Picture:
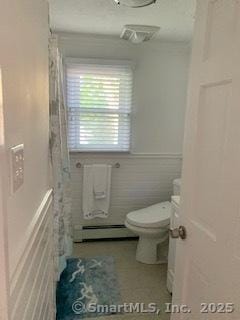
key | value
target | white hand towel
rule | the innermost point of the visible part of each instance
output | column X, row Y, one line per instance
column 100, row 180
column 96, row 194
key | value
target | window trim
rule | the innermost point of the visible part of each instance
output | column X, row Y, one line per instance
column 106, row 62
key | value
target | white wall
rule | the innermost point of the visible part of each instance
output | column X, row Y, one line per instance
column 140, row 181
column 160, row 85
column 24, row 62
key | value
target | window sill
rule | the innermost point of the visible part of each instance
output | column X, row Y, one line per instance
column 99, row 152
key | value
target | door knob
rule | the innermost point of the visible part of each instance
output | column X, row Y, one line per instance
column 179, row 232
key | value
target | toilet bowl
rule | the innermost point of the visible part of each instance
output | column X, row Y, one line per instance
column 151, row 224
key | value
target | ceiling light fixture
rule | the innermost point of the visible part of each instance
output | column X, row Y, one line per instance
column 135, row 3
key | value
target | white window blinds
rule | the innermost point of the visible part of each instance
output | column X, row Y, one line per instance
column 99, row 99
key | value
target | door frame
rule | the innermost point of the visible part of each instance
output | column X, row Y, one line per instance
column 4, row 260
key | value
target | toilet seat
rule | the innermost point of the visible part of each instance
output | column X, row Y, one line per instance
column 156, row 216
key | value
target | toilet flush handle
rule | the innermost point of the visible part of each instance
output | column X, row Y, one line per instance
column 179, row 232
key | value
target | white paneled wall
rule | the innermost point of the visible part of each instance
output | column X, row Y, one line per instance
column 140, row 181
column 32, row 283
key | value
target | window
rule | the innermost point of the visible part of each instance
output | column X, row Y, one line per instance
column 99, row 99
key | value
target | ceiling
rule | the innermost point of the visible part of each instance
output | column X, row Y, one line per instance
column 104, row 17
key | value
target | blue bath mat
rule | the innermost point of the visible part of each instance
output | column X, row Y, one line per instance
column 85, row 286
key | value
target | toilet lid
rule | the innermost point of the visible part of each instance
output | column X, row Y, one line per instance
column 154, row 216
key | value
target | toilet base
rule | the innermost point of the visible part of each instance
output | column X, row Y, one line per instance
column 148, row 250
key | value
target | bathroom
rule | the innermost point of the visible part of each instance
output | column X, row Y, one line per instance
column 140, row 169
column 119, row 157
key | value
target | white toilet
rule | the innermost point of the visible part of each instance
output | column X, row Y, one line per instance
column 151, row 224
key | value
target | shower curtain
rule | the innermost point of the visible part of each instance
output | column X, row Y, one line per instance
column 59, row 161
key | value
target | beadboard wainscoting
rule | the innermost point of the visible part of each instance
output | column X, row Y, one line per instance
column 140, row 181
column 32, row 283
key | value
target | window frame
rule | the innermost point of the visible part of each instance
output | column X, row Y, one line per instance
column 107, row 62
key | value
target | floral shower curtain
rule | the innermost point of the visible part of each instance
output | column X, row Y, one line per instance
column 59, row 160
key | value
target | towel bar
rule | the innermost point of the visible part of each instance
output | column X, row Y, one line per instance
column 116, row 165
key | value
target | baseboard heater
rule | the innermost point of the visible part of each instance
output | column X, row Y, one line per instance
column 82, row 233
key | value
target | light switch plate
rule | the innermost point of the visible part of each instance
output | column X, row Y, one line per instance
column 17, row 167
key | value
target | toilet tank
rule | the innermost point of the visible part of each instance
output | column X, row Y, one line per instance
column 176, row 187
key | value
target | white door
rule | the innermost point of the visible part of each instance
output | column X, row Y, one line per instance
column 208, row 261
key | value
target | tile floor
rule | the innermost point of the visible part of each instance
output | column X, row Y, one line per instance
column 138, row 282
